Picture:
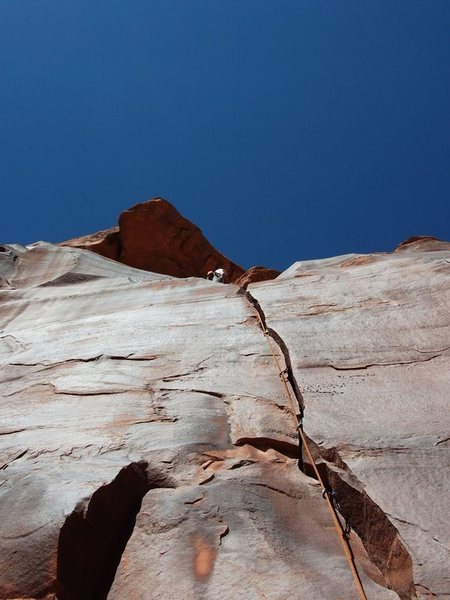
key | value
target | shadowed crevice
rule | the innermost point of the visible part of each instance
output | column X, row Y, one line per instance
column 379, row 536
column 95, row 534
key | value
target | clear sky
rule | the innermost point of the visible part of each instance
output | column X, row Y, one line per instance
column 285, row 129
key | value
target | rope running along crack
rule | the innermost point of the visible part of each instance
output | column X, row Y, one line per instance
column 327, row 494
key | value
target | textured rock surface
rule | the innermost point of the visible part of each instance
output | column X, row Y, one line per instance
column 369, row 340
column 155, row 237
column 147, row 449
column 256, row 274
column 424, row 243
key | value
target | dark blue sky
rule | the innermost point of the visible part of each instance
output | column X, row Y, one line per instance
column 285, row 129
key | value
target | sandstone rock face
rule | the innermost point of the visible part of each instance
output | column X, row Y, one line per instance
column 155, row 237
column 148, row 449
column 424, row 243
column 256, row 274
column 369, row 340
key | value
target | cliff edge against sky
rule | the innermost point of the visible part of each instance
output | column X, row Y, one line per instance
column 154, row 236
column 148, row 449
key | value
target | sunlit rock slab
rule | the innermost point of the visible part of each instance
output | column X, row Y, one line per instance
column 369, row 339
column 45, row 264
column 103, row 366
column 257, row 530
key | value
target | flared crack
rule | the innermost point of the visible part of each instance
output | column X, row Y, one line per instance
column 379, row 536
column 95, row 534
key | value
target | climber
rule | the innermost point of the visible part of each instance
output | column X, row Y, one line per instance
column 218, row 275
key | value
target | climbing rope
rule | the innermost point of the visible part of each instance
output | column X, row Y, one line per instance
column 327, row 493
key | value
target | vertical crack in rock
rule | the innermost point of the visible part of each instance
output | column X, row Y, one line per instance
column 95, row 534
column 379, row 536
column 282, row 346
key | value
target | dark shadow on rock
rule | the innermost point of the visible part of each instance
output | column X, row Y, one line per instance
column 94, row 536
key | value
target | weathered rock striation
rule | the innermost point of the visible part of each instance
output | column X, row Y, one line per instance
column 148, row 451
